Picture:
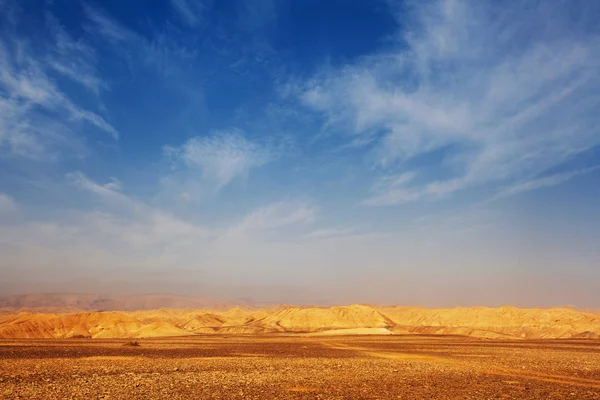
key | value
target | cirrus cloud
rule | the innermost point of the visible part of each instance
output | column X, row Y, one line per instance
column 504, row 93
column 222, row 156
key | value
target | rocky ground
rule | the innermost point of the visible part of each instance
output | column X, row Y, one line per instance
column 300, row 367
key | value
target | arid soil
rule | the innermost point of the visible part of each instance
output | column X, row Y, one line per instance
column 300, row 367
column 482, row 322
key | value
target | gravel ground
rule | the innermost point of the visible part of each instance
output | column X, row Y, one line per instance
column 300, row 367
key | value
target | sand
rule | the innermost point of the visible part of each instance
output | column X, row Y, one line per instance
column 501, row 323
column 282, row 366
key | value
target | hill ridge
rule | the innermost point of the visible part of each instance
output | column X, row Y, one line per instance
column 486, row 322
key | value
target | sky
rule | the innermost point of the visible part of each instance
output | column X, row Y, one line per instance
column 440, row 153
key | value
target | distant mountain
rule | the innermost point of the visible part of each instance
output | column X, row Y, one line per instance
column 500, row 323
column 68, row 302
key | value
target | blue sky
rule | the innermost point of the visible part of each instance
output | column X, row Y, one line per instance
column 434, row 153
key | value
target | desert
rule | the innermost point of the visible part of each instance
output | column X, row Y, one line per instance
column 481, row 322
column 284, row 366
column 301, row 352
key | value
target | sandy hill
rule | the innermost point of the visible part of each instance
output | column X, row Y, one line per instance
column 296, row 319
column 494, row 322
column 502, row 322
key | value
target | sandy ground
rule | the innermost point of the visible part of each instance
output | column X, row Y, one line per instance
column 300, row 367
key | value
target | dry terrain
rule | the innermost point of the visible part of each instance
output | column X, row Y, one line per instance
column 483, row 322
column 280, row 366
column 343, row 352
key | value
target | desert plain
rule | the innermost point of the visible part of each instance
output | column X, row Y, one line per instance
column 346, row 352
column 284, row 366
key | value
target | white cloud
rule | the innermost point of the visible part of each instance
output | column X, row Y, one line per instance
column 392, row 197
column 162, row 51
column 330, row 233
column 125, row 221
column 106, row 26
column 7, row 204
column 390, row 182
column 113, row 244
column 509, row 96
column 114, row 184
column 122, row 232
column 190, row 12
column 278, row 215
column 222, row 156
column 107, row 191
column 546, row 181
column 74, row 59
column 256, row 14
column 393, row 190
column 38, row 119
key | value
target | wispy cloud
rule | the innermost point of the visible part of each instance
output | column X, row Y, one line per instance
column 189, row 11
column 546, row 181
column 254, row 15
column 161, row 51
column 107, row 191
column 510, row 96
column 74, row 59
column 222, row 156
column 330, row 233
column 114, row 184
column 120, row 230
column 108, row 27
column 471, row 98
column 133, row 221
column 37, row 116
column 392, row 190
column 7, row 204
column 392, row 197
column 278, row 215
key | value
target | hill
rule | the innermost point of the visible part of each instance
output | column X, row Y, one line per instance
column 501, row 322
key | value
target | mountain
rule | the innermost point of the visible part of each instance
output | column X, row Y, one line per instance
column 501, row 322
column 311, row 319
column 67, row 302
column 493, row 322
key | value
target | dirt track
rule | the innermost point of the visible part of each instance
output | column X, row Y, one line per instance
column 267, row 367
